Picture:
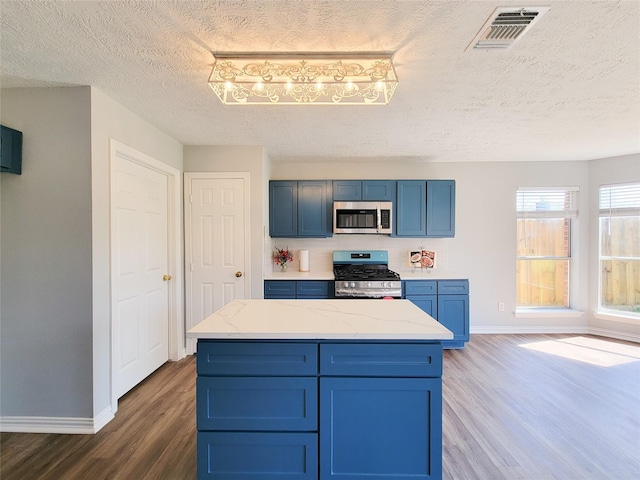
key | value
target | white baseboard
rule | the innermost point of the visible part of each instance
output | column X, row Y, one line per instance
column 70, row 425
column 578, row 330
column 529, row 329
column 605, row 332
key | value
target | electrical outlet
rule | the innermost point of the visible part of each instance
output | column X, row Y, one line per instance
column 501, row 307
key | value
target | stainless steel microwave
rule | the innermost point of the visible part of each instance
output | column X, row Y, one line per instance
column 362, row 217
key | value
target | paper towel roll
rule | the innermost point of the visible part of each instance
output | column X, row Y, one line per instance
column 304, row 260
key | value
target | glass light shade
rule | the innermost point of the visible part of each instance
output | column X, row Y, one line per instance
column 299, row 79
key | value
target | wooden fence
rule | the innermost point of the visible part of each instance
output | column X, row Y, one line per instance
column 543, row 282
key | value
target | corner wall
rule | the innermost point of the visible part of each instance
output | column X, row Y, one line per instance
column 46, row 307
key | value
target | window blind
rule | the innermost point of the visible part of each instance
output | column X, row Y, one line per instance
column 553, row 202
column 620, row 200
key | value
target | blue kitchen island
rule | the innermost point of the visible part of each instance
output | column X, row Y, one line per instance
column 319, row 389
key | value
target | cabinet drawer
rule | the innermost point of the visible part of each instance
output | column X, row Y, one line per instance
column 279, row 289
column 453, row 287
column 257, row 456
column 312, row 288
column 381, row 360
column 247, row 358
column 257, row 403
column 420, row 287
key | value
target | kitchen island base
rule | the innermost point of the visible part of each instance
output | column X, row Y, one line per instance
column 319, row 409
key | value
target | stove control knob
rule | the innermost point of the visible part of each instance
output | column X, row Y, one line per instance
column 369, row 284
column 346, row 284
column 353, row 284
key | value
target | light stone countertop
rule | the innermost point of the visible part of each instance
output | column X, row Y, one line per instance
column 296, row 275
column 342, row 319
column 417, row 274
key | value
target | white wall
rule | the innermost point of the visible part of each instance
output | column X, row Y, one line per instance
column 484, row 248
column 55, row 342
column 250, row 159
column 46, row 308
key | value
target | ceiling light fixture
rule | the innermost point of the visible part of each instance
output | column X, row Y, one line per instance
column 302, row 79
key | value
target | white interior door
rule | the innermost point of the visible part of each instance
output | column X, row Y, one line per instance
column 140, row 294
column 216, row 237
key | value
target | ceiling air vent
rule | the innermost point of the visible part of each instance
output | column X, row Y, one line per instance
column 506, row 26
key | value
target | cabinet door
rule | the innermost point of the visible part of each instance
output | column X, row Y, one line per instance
column 382, row 190
column 427, row 303
column 347, row 190
column 283, row 209
column 257, row 456
column 411, row 208
column 441, row 208
column 453, row 313
column 312, row 209
column 318, row 289
column 382, row 428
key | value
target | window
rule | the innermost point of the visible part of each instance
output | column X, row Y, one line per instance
column 543, row 262
column 620, row 248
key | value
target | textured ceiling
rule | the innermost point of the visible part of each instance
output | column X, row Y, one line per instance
column 568, row 90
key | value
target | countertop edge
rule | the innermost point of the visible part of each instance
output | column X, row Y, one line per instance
column 337, row 336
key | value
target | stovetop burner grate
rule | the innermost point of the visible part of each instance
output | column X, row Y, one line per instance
column 369, row 272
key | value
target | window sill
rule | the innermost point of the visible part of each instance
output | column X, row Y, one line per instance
column 617, row 317
column 547, row 313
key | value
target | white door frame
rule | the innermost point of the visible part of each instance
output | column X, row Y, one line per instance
column 188, row 176
column 174, row 260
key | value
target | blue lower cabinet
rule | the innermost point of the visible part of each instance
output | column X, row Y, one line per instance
column 381, row 360
column 282, row 289
column 331, row 411
column 447, row 301
column 453, row 313
column 314, row 289
column 256, row 359
column 257, row 456
column 427, row 303
column 300, row 289
column 257, row 403
column 382, row 428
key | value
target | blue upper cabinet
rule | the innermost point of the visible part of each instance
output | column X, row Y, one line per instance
column 441, row 208
column 312, row 209
column 425, row 208
column 411, row 208
column 347, row 190
column 283, row 209
column 381, row 190
column 365, row 190
column 299, row 209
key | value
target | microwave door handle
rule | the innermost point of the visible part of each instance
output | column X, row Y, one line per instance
column 379, row 220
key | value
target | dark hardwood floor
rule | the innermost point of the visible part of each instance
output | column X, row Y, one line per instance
column 527, row 407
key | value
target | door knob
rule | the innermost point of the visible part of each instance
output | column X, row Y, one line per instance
column 166, row 277
column 238, row 274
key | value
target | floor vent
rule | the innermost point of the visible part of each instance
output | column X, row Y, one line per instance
column 505, row 27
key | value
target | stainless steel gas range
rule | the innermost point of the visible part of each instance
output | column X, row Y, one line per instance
column 365, row 274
